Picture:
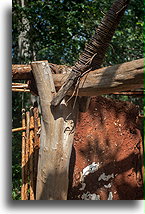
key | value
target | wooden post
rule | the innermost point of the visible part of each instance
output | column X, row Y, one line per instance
column 36, row 143
column 57, row 132
column 31, row 154
column 23, row 197
column 27, row 153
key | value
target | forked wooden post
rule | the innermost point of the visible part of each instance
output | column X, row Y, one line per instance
column 57, row 132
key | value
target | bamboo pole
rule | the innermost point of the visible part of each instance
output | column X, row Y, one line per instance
column 31, row 154
column 23, row 197
column 27, row 152
column 36, row 142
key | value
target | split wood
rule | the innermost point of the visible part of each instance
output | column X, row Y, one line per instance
column 55, row 140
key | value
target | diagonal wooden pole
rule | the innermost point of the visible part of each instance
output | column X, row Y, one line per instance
column 56, row 138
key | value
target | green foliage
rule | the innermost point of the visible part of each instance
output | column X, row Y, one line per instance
column 58, row 31
column 60, row 28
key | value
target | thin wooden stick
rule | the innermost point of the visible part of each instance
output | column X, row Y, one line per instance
column 31, row 154
column 20, row 90
column 23, row 197
column 129, row 93
column 19, row 85
column 27, row 152
column 36, row 142
column 24, row 128
column 19, row 129
column 16, row 83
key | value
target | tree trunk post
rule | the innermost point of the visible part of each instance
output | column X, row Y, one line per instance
column 56, row 138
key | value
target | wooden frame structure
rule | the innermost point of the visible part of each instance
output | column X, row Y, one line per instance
column 58, row 123
column 30, row 149
column 59, row 113
column 121, row 77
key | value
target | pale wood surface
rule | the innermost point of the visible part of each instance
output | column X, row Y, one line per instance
column 57, row 132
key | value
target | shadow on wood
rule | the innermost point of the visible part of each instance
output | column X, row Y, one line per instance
column 57, row 131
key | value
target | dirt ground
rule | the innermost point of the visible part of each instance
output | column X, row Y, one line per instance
column 107, row 155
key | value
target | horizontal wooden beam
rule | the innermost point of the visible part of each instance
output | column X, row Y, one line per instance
column 122, row 77
column 24, row 72
column 21, row 72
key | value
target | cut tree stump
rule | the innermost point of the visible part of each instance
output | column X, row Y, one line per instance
column 56, row 138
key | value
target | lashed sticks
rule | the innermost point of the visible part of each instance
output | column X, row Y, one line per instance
column 20, row 87
column 30, row 148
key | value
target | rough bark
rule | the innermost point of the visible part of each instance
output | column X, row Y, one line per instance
column 57, row 131
column 95, row 50
column 122, row 77
column 24, row 72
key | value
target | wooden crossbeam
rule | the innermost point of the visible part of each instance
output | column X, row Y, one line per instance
column 121, row 77
column 24, row 72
